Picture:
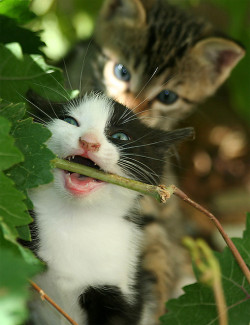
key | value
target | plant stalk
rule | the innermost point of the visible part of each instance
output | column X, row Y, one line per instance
column 44, row 296
column 161, row 193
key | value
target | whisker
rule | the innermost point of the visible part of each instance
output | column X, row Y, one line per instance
column 50, row 104
column 137, row 155
column 67, row 75
column 150, row 169
column 36, row 106
column 140, row 170
column 37, row 117
column 26, row 99
column 148, row 144
column 151, row 117
column 128, row 119
column 144, row 135
column 124, row 115
column 67, row 98
column 126, row 171
column 147, row 82
column 130, row 166
column 51, row 75
column 170, row 78
column 82, row 67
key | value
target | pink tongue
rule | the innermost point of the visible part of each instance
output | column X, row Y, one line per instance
column 80, row 180
column 80, row 184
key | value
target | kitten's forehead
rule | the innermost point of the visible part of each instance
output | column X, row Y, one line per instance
column 92, row 110
column 165, row 37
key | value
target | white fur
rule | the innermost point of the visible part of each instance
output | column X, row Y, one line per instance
column 85, row 241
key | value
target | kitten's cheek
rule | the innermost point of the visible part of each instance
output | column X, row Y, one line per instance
column 81, row 185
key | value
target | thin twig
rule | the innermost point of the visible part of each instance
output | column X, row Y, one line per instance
column 44, row 296
column 161, row 193
column 218, row 225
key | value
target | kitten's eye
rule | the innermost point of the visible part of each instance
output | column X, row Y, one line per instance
column 71, row 120
column 167, row 97
column 121, row 72
column 120, row 136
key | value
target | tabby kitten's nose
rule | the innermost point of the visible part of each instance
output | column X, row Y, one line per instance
column 89, row 143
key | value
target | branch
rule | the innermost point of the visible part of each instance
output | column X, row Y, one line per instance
column 44, row 296
column 218, row 225
column 161, row 193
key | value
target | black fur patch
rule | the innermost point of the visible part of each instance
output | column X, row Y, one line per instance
column 34, row 243
column 106, row 305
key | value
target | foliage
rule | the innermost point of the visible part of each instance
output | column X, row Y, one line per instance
column 28, row 72
column 198, row 305
column 18, row 10
column 24, row 158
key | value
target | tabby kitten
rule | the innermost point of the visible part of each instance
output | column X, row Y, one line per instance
column 154, row 58
column 90, row 232
column 161, row 62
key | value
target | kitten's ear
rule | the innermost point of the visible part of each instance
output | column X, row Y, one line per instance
column 129, row 12
column 171, row 138
column 217, row 56
column 180, row 135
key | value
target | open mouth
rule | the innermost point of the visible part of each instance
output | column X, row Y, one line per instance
column 79, row 184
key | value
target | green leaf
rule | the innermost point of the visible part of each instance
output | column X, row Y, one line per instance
column 12, row 112
column 16, row 9
column 8, row 240
column 23, row 233
column 11, row 32
column 13, row 211
column 9, row 154
column 19, row 73
column 13, row 287
column 197, row 305
column 36, row 169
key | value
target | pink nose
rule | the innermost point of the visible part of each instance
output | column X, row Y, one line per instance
column 90, row 146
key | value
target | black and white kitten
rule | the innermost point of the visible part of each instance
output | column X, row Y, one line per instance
column 90, row 232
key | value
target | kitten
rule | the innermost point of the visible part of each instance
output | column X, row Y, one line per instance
column 161, row 62
column 90, row 232
column 154, row 58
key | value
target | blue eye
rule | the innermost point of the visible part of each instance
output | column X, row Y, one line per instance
column 71, row 120
column 121, row 72
column 167, row 97
column 120, row 136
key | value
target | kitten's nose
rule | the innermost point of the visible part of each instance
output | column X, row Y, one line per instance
column 89, row 143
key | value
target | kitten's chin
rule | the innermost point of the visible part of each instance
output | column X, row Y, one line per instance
column 79, row 185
